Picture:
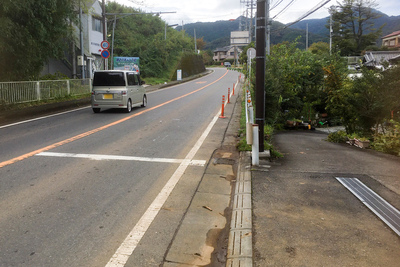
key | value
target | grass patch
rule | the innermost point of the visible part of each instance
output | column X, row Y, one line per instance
column 154, row 81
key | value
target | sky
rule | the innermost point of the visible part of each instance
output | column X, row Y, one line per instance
column 191, row 11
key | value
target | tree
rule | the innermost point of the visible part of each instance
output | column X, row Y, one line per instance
column 319, row 48
column 31, row 33
column 201, row 44
column 353, row 26
column 142, row 35
column 293, row 84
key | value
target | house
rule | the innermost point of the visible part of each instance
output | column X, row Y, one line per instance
column 92, row 32
column 226, row 52
column 392, row 40
column 378, row 59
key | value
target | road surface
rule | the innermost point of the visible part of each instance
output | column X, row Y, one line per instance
column 75, row 186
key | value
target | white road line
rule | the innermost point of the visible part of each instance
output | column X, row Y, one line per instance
column 41, row 118
column 113, row 157
column 130, row 243
column 127, row 247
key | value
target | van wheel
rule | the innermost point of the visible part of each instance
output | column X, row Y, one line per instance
column 128, row 106
column 96, row 110
column 144, row 101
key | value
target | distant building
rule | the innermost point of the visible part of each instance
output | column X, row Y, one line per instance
column 92, row 30
column 226, row 52
column 378, row 59
column 391, row 40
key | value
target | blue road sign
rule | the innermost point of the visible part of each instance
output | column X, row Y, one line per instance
column 105, row 53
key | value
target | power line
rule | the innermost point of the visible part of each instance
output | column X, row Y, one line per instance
column 321, row 4
column 284, row 9
column 277, row 4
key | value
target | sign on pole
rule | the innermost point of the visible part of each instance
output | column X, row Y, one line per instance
column 105, row 45
column 179, row 75
column 251, row 53
column 105, row 54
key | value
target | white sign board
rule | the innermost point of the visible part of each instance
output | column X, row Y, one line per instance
column 179, row 75
column 240, row 38
column 251, row 53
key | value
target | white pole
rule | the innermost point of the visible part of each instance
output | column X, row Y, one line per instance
column 255, row 157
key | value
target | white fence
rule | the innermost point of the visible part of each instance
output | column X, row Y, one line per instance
column 21, row 92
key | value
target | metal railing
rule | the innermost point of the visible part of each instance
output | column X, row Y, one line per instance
column 22, row 92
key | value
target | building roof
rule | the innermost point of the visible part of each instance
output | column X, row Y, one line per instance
column 223, row 49
column 374, row 58
column 392, row 34
column 227, row 48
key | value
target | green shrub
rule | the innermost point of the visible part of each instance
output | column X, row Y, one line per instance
column 338, row 137
column 389, row 142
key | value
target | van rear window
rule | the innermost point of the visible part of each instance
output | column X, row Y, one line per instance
column 109, row 79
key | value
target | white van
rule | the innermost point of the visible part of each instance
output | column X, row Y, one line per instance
column 117, row 89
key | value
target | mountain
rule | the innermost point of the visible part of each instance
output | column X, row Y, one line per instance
column 217, row 34
column 318, row 26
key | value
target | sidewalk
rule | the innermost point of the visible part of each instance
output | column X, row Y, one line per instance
column 302, row 216
column 202, row 237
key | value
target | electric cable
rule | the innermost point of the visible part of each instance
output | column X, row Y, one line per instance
column 284, row 9
column 277, row 4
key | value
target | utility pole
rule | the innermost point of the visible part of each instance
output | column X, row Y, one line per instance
column 268, row 23
column 104, row 31
column 195, row 42
column 330, row 34
column 306, row 36
column 260, row 71
column 112, row 42
column 81, row 41
column 251, row 21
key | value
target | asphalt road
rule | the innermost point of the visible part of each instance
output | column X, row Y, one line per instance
column 303, row 216
column 65, row 201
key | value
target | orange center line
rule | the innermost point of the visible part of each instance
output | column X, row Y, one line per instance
column 85, row 134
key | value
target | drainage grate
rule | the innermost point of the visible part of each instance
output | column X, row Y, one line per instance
column 240, row 246
column 389, row 214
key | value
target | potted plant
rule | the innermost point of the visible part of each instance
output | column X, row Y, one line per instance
column 362, row 142
column 351, row 139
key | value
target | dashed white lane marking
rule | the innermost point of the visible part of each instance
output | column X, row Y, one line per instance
column 190, row 162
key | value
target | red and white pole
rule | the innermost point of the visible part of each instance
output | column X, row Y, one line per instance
column 229, row 95
column 223, row 107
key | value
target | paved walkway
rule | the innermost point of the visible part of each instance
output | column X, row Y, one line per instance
column 302, row 216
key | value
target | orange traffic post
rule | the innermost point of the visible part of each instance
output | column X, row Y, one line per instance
column 229, row 95
column 233, row 89
column 223, row 107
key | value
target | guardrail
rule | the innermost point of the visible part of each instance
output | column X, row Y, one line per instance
column 22, row 92
column 251, row 130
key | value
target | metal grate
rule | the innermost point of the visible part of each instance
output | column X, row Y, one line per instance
column 386, row 212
